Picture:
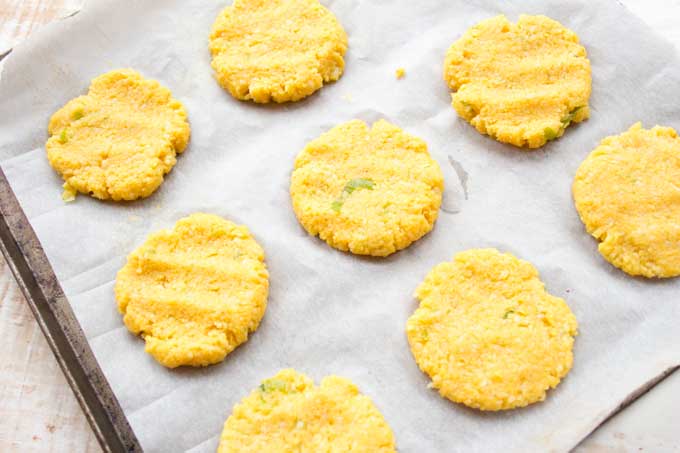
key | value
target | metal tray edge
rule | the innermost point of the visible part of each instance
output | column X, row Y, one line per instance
column 52, row 311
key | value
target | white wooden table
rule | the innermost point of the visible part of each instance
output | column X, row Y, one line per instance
column 38, row 412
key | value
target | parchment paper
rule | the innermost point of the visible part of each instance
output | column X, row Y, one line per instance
column 331, row 312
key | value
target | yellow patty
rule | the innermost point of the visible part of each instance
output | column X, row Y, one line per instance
column 627, row 193
column 119, row 140
column 521, row 83
column 276, row 50
column 194, row 292
column 487, row 332
column 371, row 191
column 287, row 413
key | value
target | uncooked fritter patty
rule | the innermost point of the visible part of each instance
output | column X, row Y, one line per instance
column 194, row 292
column 276, row 50
column 627, row 192
column 521, row 83
column 367, row 190
column 119, row 140
column 488, row 334
column 288, row 413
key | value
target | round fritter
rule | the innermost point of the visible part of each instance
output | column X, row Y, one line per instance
column 627, row 192
column 488, row 334
column 194, row 292
column 521, row 83
column 276, row 50
column 287, row 413
column 371, row 191
column 119, row 140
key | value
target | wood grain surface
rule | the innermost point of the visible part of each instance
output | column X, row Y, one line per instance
column 38, row 411
column 18, row 18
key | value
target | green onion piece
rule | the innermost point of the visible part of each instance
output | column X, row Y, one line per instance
column 351, row 186
column 63, row 137
column 358, row 183
column 570, row 116
column 508, row 313
column 549, row 133
column 77, row 114
column 271, row 385
column 69, row 193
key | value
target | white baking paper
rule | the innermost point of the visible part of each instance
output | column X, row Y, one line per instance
column 330, row 312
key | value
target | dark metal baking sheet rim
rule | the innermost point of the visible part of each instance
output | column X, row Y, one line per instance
column 52, row 311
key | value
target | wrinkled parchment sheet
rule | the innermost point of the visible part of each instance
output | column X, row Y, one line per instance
column 330, row 312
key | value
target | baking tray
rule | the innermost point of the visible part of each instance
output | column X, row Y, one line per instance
column 52, row 311
column 67, row 340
